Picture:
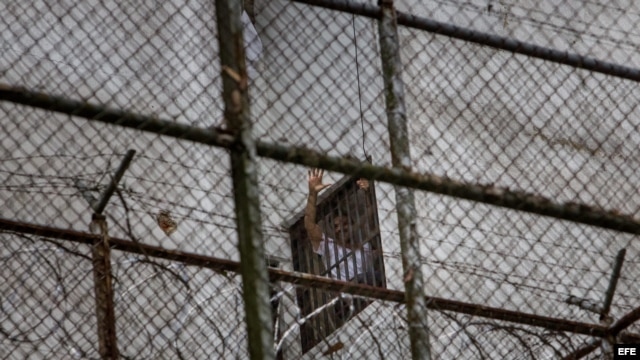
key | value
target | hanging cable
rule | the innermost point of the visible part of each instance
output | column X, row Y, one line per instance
column 355, row 42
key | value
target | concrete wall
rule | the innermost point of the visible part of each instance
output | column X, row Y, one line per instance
column 475, row 114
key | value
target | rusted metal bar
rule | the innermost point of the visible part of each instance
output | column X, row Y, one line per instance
column 583, row 350
column 253, row 266
column 101, row 203
column 609, row 341
column 625, row 321
column 613, row 283
column 488, row 194
column 121, row 245
column 629, row 338
column 113, row 116
column 322, row 282
column 417, row 315
column 482, row 38
column 103, row 290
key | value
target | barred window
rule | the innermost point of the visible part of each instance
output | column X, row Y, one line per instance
column 351, row 251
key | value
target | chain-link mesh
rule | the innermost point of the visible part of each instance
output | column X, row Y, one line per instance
column 521, row 171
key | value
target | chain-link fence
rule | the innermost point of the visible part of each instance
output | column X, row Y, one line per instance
column 158, row 198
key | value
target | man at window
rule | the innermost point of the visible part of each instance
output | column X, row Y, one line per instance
column 344, row 256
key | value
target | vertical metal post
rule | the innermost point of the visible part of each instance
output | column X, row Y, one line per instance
column 255, row 281
column 608, row 342
column 405, row 202
column 101, row 256
column 613, row 283
column 103, row 290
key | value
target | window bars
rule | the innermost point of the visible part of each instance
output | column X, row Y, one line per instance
column 351, row 251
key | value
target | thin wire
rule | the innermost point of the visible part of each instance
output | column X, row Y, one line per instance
column 355, row 42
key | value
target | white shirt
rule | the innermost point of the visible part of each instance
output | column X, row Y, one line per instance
column 333, row 253
column 252, row 45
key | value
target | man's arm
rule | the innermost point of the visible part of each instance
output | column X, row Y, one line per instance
column 313, row 229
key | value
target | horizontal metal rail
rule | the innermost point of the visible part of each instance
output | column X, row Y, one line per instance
column 625, row 321
column 482, row 38
column 307, row 280
column 488, row 194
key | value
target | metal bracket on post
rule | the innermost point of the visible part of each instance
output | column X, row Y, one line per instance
column 101, row 255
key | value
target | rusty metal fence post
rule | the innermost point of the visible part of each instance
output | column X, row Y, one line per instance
column 103, row 289
column 101, row 257
column 255, row 281
column 405, row 202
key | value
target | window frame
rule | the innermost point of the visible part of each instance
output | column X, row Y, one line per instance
column 337, row 200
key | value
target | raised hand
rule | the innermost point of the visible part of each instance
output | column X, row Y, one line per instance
column 315, row 181
column 363, row 184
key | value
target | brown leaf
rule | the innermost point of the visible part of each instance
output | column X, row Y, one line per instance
column 166, row 222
